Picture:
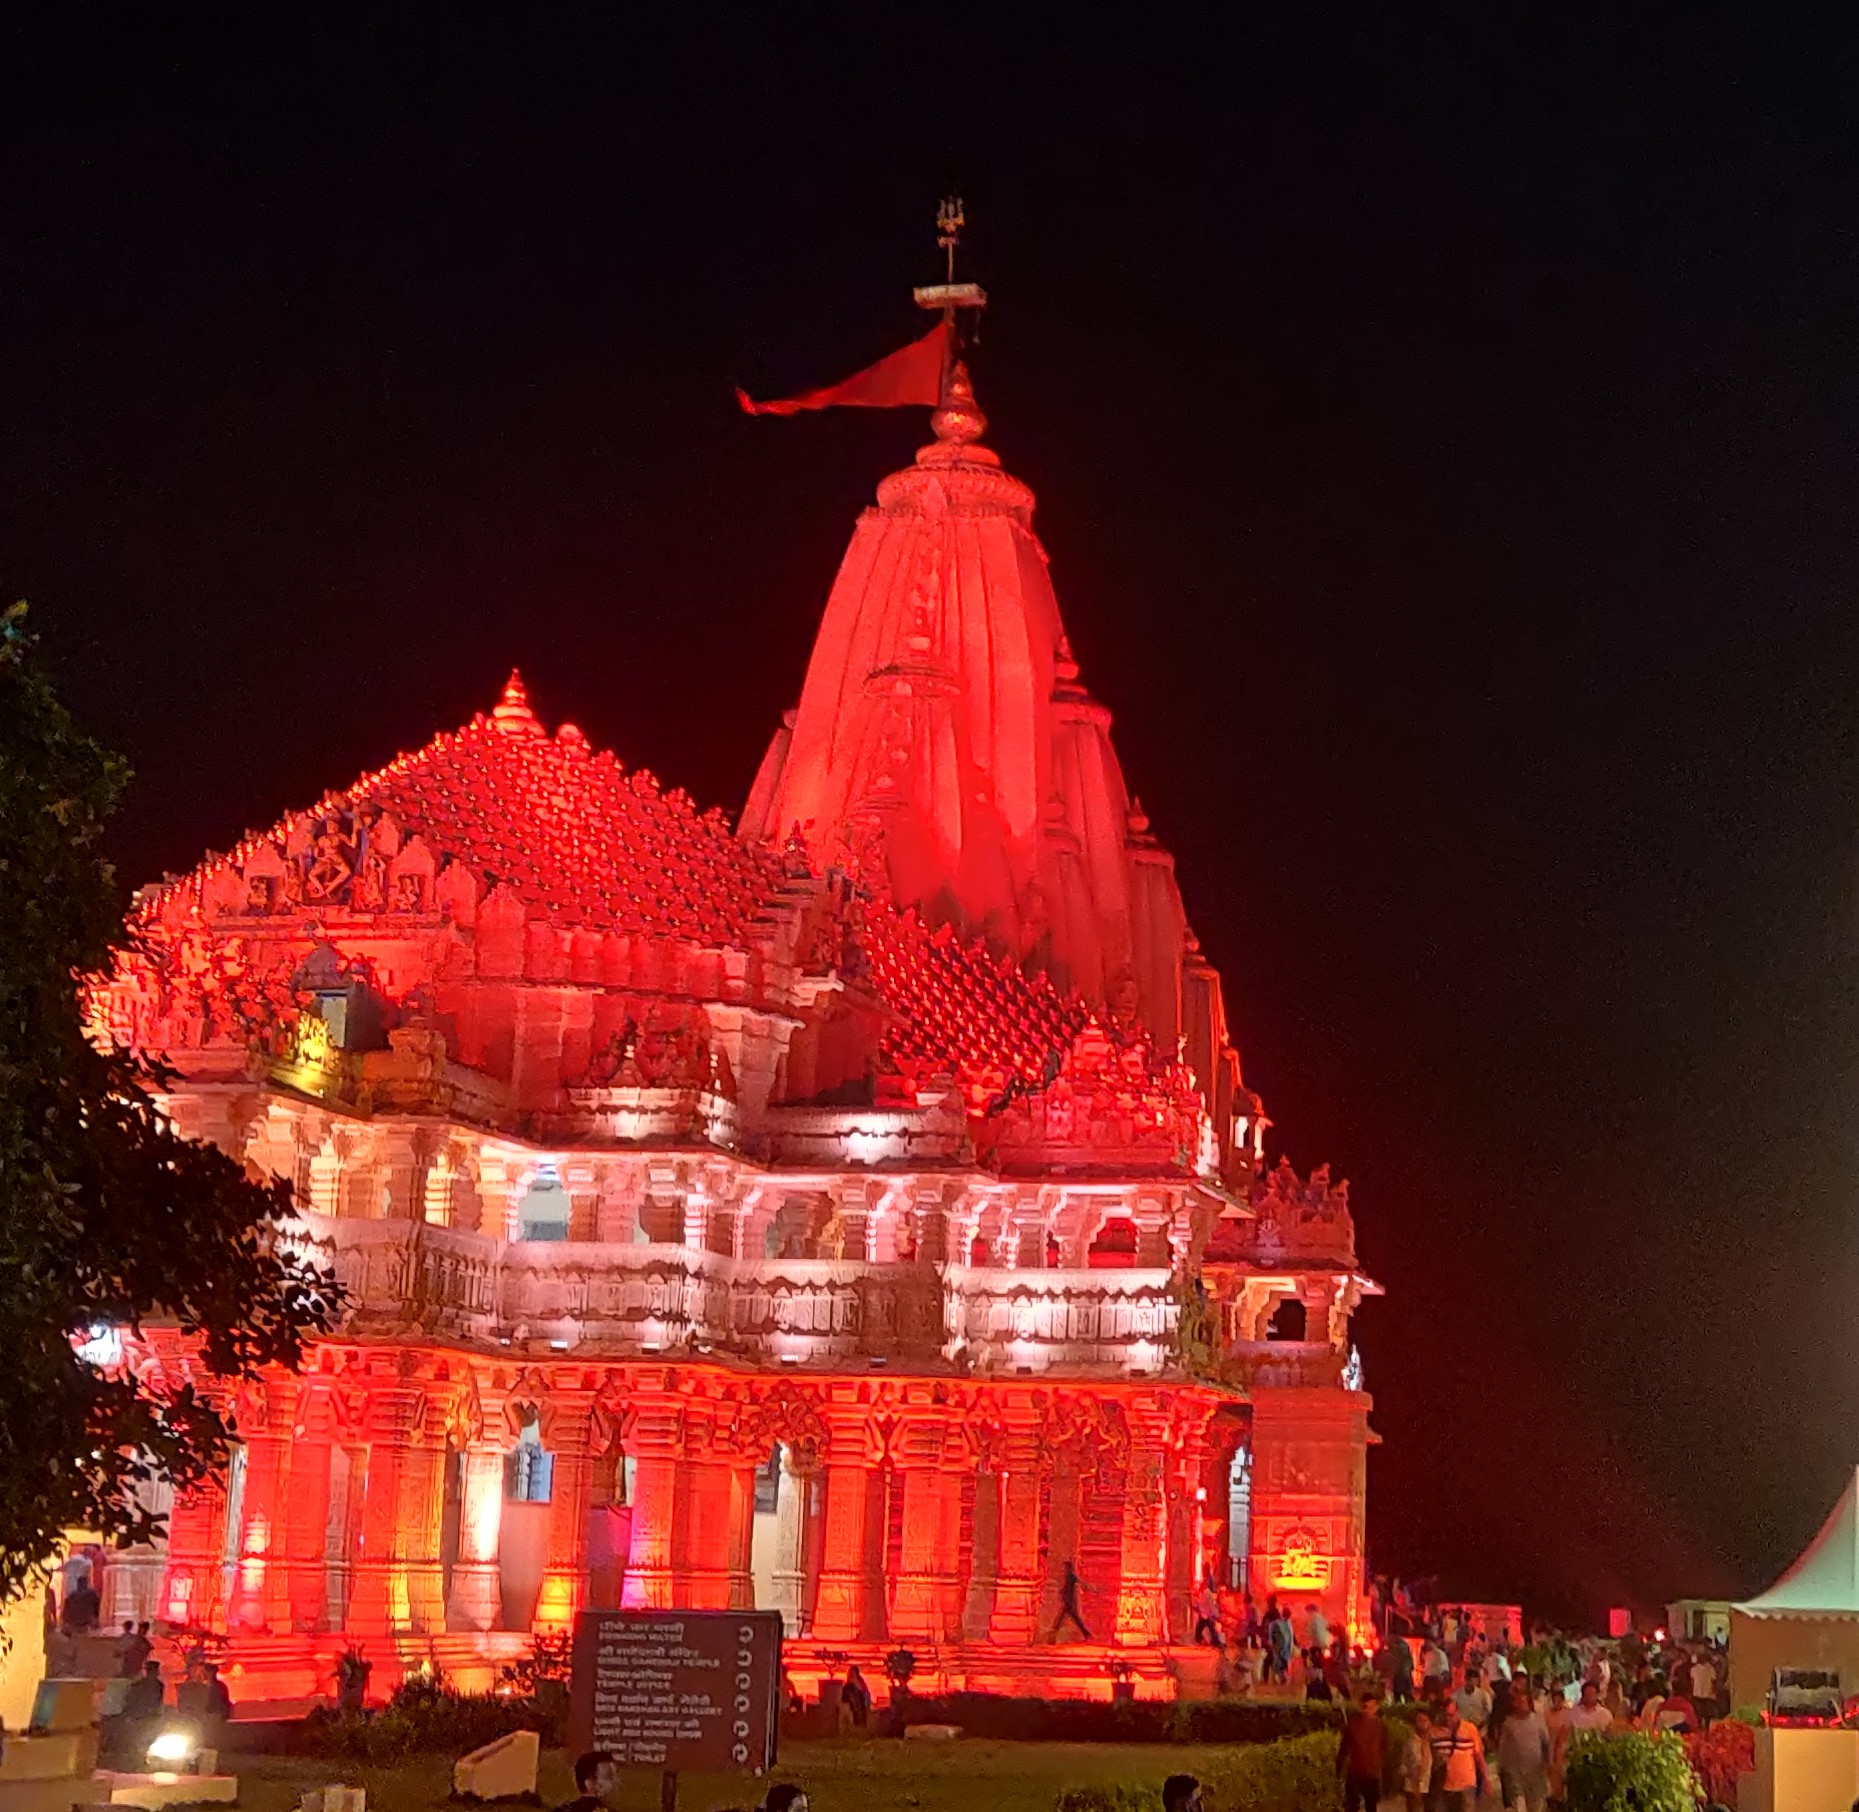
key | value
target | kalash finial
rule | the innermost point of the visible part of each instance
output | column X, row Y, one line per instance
column 958, row 420
column 511, row 713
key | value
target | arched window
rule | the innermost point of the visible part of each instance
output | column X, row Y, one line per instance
column 543, row 1212
column 529, row 1468
column 1114, row 1248
column 1290, row 1321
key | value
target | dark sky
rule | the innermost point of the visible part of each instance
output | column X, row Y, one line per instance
column 1444, row 422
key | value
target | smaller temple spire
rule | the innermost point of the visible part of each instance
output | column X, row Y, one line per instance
column 512, row 714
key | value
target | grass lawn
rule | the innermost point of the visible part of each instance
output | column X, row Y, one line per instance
column 875, row 1775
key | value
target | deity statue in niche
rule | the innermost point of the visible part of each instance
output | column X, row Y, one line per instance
column 331, row 868
column 377, row 842
column 831, row 1239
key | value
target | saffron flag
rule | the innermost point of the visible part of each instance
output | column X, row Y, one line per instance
column 912, row 374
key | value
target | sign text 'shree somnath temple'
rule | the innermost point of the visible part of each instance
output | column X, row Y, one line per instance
column 857, row 1213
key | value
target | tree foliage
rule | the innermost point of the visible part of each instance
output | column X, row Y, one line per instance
column 1630, row 1771
column 108, row 1218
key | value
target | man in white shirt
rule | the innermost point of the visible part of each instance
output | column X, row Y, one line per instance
column 1589, row 1714
column 1703, row 1680
column 1473, row 1701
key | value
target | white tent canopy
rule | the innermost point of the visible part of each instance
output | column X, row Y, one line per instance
column 1824, row 1581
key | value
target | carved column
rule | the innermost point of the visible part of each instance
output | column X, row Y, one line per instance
column 395, row 1576
column 850, row 1604
column 1189, row 1476
column 1023, row 1463
column 422, row 1518
column 791, row 1531
column 714, row 1530
column 477, row 1579
column 260, row 1593
column 1064, row 1495
column 984, row 1566
column 306, row 1525
column 1141, row 1592
column 566, row 1433
column 924, row 1606
column 190, row 1587
column 655, row 1444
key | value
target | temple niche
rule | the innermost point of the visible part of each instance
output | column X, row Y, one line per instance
column 858, row 1210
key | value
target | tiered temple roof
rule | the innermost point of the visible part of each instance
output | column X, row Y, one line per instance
column 576, row 837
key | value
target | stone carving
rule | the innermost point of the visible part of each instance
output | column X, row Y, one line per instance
column 1296, row 1220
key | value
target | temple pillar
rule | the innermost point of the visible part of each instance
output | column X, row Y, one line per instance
column 850, row 1603
column 1018, row 1587
column 377, row 1584
column 1142, row 1618
column 984, row 1564
column 916, row 1600
column 1064, row 1494
column 422, row 1516
column 651, row 1576
column 791, row 1546
column 477, row 1578
column 924, row 1605
column 306, row 1527
column 566, row 1432
column 260, row 1592
column 714, row 1527
column 395, row 1578
column 190, row 1585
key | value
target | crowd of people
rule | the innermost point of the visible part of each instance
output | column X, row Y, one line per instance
column 1480, row 1712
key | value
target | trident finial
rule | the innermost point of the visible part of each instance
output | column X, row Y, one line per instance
column 949, row 224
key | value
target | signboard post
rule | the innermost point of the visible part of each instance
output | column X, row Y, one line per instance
column 677, row 1691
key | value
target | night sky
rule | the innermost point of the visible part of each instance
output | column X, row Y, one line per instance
column 1444, row 423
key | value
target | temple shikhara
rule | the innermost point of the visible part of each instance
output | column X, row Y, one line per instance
column 857, row 1210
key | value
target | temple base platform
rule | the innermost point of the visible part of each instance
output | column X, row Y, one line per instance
column 283, row 1676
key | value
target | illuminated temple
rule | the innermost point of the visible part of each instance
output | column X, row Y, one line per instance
column 857, row 1212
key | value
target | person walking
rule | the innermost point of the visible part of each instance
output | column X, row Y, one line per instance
column 1522, row 1750
column 1070, row 1585
column 1474, row 1699
column 1416, row 1769
column 1362, row 1754
column 1278, row 1646
column 1207, row 1614
column 1459, row 1778
column 1316, row 1632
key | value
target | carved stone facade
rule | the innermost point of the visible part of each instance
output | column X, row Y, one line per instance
column 859, row 1211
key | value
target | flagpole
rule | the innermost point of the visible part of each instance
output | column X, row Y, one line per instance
column 948, row 296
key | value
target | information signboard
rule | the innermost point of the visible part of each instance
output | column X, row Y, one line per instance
column 679, row 1691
